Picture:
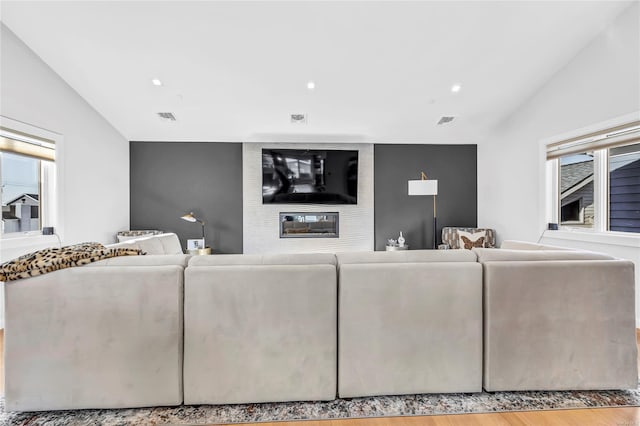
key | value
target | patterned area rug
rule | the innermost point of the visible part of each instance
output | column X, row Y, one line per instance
column 405, row 405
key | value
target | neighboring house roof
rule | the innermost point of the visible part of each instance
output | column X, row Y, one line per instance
column 576, row 175
column 34, row 197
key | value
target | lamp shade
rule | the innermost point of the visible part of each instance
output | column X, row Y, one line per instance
column 189, row 217
column 423, row 187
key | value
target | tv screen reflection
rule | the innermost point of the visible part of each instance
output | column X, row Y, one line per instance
column 309, row 176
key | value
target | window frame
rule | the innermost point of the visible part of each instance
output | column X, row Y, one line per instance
column 580, row 223
column 42, row 217
column 52, row 214
column 551, row 190
column 608, row 187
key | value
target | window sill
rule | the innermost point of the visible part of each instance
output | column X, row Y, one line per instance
column 612, row 238
column 18, row 235
column 16, row 244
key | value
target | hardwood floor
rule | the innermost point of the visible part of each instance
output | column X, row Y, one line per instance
column 625, row 416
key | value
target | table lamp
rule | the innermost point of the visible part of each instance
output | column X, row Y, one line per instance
column 189, row 217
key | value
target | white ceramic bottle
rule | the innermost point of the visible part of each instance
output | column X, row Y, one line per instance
column 401, row 240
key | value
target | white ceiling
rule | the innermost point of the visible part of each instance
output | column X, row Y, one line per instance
column 235, row 71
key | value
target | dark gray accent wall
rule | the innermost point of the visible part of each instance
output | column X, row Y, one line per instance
column 454, row 166
column 169, row 179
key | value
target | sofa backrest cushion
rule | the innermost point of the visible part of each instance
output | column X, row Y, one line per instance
column 127, row 244
column 406, row 256
column 271, row 259
column 526, row 245
column 493, row 255
column 157, row 244
column 149, row 260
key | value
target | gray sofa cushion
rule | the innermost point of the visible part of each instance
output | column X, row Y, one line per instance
column 94, row 338
column 409, row 328
column 493, row 255
column 559, row 325
column 260, row 333
column 148, row 260
column 272, row 259
column 407, row 256
column 526, row 245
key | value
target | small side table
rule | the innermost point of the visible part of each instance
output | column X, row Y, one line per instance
column 396, row 248
column 199, row 252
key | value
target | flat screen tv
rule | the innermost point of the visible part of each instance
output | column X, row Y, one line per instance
column 301, row 176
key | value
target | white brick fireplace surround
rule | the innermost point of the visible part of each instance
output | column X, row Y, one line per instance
column 261, row 221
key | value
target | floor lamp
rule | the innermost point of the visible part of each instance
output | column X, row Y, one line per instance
column 426, row 186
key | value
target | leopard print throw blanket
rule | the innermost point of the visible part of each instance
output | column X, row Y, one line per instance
column 52, row 259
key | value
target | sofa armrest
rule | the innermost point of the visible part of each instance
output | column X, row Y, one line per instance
column 559, row 325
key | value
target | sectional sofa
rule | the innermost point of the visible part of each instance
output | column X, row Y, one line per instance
column 108, row 334
column 166, row 328
column 557, row 319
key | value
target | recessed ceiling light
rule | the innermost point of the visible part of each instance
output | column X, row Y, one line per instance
column 456, row 88
column 156, row 82
column 166, row 116
column 311, row 85
column 300, row 118
column 446, row 119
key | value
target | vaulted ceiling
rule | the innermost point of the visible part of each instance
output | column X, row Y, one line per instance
column 236, row 71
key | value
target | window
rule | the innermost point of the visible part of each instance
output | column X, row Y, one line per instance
column 26, row 181
column 598, row 180
column 624, row 188
column 576, row 190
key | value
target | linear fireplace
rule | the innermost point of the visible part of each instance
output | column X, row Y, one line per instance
column 309, row 225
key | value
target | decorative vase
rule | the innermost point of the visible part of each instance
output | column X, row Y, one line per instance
column 401, row 240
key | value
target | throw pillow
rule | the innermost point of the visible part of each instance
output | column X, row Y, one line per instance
column 468, row 240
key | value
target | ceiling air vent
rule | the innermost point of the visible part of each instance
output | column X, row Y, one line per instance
column 445, row 119
column 167, row 116
column 299, row 118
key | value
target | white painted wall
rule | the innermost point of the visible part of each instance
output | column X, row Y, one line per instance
column 600, row 83
column 94, row 157
column 261, row 221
